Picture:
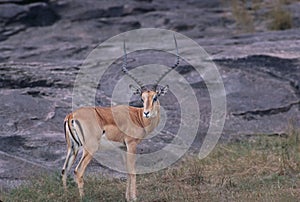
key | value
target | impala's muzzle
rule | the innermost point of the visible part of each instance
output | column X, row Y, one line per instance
column 147, row 114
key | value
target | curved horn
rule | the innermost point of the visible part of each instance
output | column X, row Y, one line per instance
column 125, row 70
column 172, row 68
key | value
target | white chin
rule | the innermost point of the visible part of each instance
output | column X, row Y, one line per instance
column 149, row 116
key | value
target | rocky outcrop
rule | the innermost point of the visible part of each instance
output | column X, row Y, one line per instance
column 263, row 94
column 43, row 43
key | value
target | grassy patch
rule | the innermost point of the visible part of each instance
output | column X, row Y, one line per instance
column 49, row 188
column 260, row 169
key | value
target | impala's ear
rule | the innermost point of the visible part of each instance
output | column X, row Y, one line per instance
column 135, row 90
column 162, row 90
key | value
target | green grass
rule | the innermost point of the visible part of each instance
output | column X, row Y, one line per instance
column 262, row 168
column 49, row 188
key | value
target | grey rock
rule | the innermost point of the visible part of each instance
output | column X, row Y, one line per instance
column 9, row 12
column 39, row 14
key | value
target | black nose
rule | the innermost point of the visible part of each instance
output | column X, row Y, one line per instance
column 146, row 113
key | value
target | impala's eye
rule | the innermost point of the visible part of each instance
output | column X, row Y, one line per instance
column 142, row 100
column 155, row 99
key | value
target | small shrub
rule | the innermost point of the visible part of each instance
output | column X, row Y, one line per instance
column 243, row 18
column 280, row 18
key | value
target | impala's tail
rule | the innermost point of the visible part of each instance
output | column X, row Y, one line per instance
column 73, row 144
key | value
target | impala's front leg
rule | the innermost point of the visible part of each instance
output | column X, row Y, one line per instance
column 131, row 176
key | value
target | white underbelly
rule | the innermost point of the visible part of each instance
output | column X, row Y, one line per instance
column 106, row 144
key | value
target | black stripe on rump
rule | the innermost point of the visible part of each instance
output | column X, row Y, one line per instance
column 73, row 137
column 65, row 130
column 80, row 128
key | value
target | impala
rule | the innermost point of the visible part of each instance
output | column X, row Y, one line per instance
column 88, row 126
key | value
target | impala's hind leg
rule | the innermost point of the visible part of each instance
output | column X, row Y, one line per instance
column 79, row 170
column 71, row 155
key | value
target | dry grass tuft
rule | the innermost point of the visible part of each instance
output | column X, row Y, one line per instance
column 242, row 16
column 281, row 19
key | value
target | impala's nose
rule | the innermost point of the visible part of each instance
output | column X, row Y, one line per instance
column 146, row 114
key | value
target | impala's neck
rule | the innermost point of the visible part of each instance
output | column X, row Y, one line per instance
column 149, row 124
